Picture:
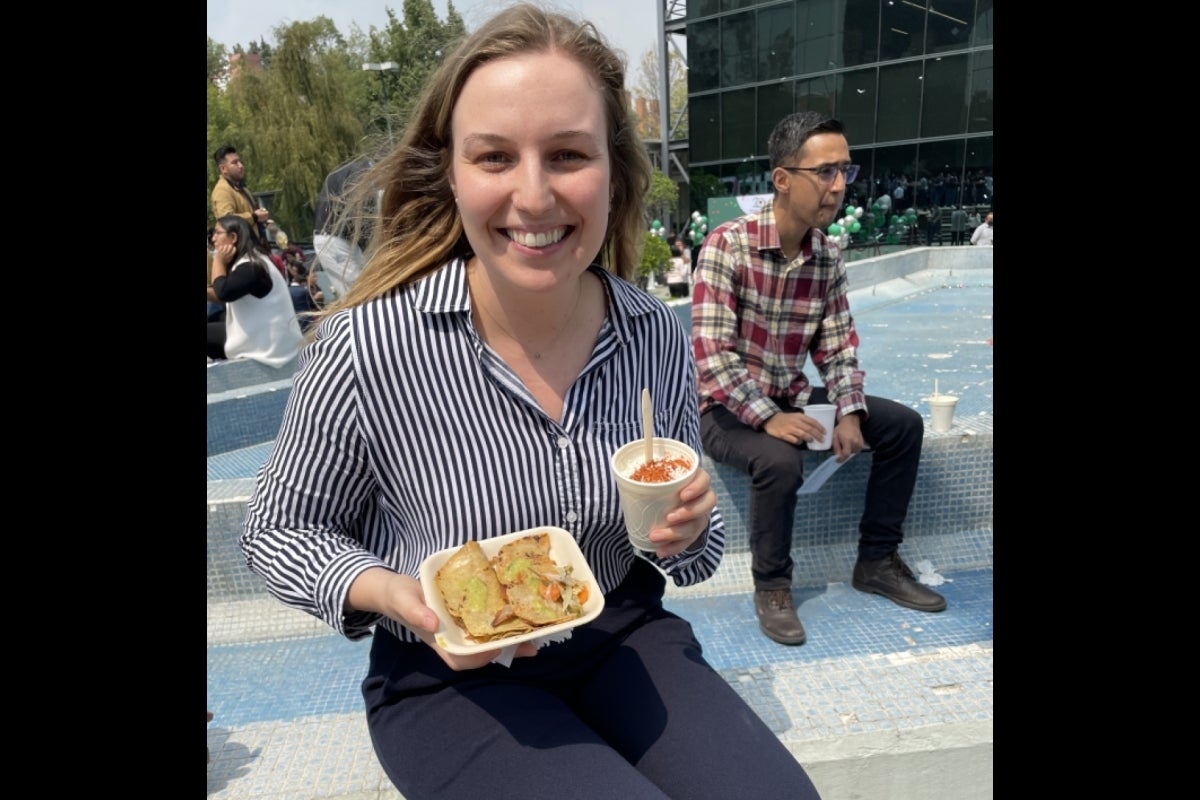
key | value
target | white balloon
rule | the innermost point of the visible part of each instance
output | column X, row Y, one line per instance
column 858, row 212
column 695, row 215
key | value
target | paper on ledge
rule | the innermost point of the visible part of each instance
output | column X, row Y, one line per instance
column 822, row 474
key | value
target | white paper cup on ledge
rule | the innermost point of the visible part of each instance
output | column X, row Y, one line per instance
column 645, row 503
column 824, row 413
column 941, row 408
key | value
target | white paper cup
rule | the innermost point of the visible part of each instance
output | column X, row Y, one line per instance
column 645, row 505
column 941, row 408
column 824, row 413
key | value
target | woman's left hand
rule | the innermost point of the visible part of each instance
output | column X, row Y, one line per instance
column 688, row 521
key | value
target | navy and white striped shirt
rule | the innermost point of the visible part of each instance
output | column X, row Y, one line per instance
column 405, row 434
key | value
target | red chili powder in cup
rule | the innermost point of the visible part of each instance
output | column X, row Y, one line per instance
column 661, row 470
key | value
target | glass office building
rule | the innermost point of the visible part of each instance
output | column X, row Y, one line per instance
column 911, row 80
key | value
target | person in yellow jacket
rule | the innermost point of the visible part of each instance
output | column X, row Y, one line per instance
column 230, row 195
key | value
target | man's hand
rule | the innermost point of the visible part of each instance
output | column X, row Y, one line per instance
column 794, row 427
column 262, row 215
column 847, row 437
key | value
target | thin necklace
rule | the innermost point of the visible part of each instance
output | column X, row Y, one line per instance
column 537, row 355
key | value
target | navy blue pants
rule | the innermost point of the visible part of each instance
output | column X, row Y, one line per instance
column 776, row 469
column 627, row 708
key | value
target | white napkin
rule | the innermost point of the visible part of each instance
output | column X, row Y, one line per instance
column 505, row 656
column 929, row 576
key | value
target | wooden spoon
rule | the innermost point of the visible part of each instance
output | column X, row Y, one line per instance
column 648, row 424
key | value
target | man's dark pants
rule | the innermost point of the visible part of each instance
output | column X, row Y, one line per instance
column 776, row 468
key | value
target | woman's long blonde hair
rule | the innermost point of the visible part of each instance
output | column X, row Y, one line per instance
column 418, row 229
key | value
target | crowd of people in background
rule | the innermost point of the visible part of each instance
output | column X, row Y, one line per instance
column 249, row 297
column 947, row 211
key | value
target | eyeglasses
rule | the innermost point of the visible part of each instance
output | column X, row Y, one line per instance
column 828, row 172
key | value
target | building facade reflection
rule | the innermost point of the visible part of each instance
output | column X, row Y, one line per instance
column 911, row 79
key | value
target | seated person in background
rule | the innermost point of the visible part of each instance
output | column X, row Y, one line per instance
column 293, row 255
column 769, row 293
column 260, row 321
column 216, row 311
column 498, row 278
column 301, row 289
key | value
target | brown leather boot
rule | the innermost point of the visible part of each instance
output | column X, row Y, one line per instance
column 892, row 578
column 777, row 616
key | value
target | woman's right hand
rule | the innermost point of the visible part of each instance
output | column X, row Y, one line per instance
column 400, row 597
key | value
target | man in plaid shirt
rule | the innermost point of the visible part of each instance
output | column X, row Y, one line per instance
column 769, row 293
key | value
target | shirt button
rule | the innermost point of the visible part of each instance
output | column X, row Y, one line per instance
column 572, row 516
column 564, row 442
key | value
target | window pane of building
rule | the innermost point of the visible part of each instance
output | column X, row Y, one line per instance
column 753, row 177
column 704, row 54
column 818, row 29
column 910, row 79
column 738, row 126
column 941, row 164
column 894, row 169
column 704, row 128
column 737, row 49
column 775, row 101
column 776, row 43
column 860, row 42
column 981, row 92
column 902, row 30
column 855, row 105
column 944, row 109
column 981, row 33
column 949, row 25
column 899, row 101
column 978, row 189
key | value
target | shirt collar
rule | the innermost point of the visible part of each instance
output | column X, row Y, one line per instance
column 444, row 291
column 768, row 233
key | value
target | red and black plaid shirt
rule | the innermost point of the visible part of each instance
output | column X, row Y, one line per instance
column 757, row 318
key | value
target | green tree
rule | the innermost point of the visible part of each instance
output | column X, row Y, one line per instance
column 291, row 121
column 656, row 257
column 418, row 43
column 662, row 199
column 648, row 88
column 312, row 107
column 218, row 63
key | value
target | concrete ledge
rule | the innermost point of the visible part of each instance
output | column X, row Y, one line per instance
column 242, row 372
column 246, row 416
column 953, row 497
column 954, row 762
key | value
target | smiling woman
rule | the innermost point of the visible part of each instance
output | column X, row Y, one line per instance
column 475, row 381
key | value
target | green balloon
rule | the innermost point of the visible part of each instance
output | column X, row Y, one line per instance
column 855, row 226
column 835, row 229
column 656, row 224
